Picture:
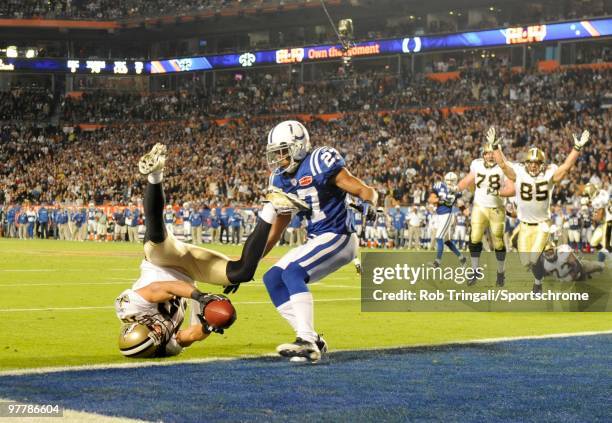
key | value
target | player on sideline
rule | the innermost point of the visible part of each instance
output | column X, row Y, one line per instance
column 534, row 183
column 487, row 180
column 599, row 200
column 443, row 196
column 319, row 177
column 154, row 308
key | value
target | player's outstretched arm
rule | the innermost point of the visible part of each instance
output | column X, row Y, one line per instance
column 355, row 186
column 499, row 157
column 279, row 225
column 570, row 161
column 467, row 182
column 162, row 291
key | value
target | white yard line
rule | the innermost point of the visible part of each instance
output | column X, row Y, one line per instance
column 2, row 285
column 137, row 364
column 18, row 310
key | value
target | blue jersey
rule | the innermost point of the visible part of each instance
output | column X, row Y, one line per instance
column 446, row 198
column 381, row 221
column 10, row 215
column 169, row 216
column 224, row 218
column 43, row 215
column 311, row 183
column 296, row 222
column 574, row 222
column 460, row 219
column 399, row 219
column 236, row 220
column 195, row 218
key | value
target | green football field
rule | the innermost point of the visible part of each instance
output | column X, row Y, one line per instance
column 56, row 306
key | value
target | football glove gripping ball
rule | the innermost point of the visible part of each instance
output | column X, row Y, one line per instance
column 204, row 299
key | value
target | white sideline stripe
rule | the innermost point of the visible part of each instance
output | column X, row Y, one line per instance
column 2, row 285
column 69, row 416
column 64, row 270
column 20, row 372
column 16, row 310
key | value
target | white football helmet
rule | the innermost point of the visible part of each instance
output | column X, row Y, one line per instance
column 450, row 179
column 288, row 144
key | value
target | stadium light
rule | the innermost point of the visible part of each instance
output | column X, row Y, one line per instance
column 11, row 51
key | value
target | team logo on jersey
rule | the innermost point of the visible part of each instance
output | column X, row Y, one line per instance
column 294, row 182
column 306, row 180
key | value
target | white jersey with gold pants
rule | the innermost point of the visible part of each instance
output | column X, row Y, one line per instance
column 602, row 234
column 533, row 195
column 488, row 209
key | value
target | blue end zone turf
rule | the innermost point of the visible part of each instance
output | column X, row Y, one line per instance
column 557, row 380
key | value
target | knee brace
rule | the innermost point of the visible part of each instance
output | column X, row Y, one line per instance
column 295, row 279
column 276, row 288
column 500, row 254
column 475, row 249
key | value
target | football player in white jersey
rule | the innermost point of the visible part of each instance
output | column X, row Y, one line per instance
column 534, row 181
column 562, row 264
column 154, row 308
column 599, row 200
column 489, row 184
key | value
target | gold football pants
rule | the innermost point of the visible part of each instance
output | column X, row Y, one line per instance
column 601, row 236
column 492, row 217
column 198, row 263
column 532, row 239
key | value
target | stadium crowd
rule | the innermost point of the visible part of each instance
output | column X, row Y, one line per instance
column 393, row 133
column 361, row 91
column 132, row 9
column 119, row 9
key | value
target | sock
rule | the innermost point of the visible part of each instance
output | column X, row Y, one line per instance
column 451, row 245
column 538, row 282
column 303, row 307
column 439, row 248
column 155, row 177
column 154, row 203
column 500, row 255
column 286, row 311
column 243, row 270
column 268, row 213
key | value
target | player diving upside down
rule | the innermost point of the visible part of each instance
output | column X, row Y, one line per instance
column 154, row 308
column 534, row 182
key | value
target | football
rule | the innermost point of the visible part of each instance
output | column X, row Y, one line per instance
column 220, row 314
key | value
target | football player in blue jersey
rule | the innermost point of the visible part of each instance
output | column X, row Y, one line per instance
column 443, row 196
column 320, row 178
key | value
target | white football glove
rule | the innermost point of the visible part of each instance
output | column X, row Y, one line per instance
column 491, row 140
column 584, row 139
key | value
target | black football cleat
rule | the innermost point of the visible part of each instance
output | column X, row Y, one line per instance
column 322, row 344
column 537, row 289
column 471, row 281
